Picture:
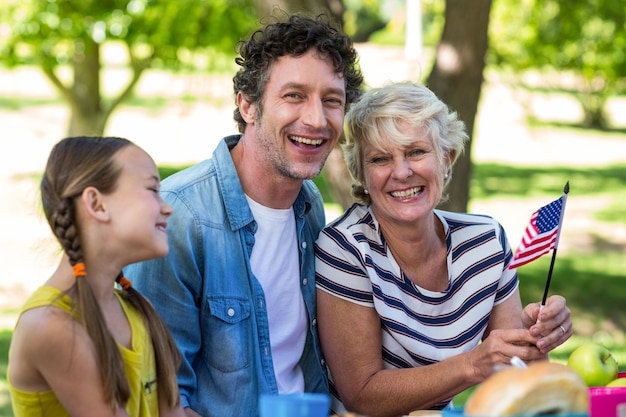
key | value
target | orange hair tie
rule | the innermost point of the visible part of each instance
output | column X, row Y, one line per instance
column 124, row 283
column 79, row 269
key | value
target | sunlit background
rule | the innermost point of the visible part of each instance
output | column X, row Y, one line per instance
column 548, row 113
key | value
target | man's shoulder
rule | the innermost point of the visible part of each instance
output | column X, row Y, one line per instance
column 206, row 170
column 188, row 176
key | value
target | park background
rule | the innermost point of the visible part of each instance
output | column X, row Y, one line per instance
column 527, row 142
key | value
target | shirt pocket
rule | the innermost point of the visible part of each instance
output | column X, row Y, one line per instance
column 226, row 333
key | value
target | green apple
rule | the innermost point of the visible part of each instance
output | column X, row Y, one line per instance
column 619, row 382
column 594, row 363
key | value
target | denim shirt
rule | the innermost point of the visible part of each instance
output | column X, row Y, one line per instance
column 211, row 301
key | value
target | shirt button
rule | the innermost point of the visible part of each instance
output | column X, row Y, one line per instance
column 323, row 362
column 303, row 245
column 231, row 312
column 305, row 281
column 314, row 322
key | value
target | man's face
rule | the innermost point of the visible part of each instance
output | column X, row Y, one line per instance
column 303, row 112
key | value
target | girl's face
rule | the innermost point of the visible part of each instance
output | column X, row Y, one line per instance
column 138, row 213
column 405, row 183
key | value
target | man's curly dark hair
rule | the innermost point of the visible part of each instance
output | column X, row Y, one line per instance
column 294, row 36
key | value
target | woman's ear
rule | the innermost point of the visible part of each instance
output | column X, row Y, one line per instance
column 93, row 204
column 246, row 108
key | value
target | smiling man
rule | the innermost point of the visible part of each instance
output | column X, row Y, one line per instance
column 237, row 289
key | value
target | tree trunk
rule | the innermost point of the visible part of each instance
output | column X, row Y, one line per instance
column 457, row 77
column 88, row 117
column 594, row 116
column 89, row 112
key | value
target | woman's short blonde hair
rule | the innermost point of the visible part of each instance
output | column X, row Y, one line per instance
column 382, row 114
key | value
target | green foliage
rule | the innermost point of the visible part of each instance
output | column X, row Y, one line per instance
column 433, row 19
column 52, row 32
column 5, row 399
column 322, row 184
column 167, row 170
column 361, row 18
column 586, row 39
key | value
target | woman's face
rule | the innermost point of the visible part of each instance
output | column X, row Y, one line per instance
column 405, row 183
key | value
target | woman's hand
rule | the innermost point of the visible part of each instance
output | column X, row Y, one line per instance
column 552, row 324
column 497, row 349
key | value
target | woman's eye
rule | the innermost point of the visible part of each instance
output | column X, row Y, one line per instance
column 416, row 152
column 379, row 160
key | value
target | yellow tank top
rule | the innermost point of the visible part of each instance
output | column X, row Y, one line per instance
column 138, row 362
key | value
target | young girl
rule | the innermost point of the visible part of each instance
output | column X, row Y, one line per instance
column 82, row 347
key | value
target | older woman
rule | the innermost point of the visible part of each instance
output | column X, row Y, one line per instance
column 416, row 304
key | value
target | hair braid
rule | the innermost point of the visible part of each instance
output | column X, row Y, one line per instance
column 65, row 230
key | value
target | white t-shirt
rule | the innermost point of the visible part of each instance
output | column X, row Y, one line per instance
column 275, row 263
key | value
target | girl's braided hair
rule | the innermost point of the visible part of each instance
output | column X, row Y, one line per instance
column 74, row 164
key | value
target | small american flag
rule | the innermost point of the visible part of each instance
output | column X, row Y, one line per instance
column 541, row 234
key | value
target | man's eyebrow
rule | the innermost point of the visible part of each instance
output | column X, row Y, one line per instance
column 332, row 90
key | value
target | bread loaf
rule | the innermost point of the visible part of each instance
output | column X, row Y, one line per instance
column 544, row 388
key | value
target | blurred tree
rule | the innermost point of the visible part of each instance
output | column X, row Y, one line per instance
column 56, row 34
column 561, row 37
column 362, row 18
column 457, row 77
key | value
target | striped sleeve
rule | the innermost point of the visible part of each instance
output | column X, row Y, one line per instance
column 340, row 267
column 509, row 280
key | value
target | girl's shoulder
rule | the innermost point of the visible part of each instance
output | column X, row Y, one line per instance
column 47, row 310
column 46, row 340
